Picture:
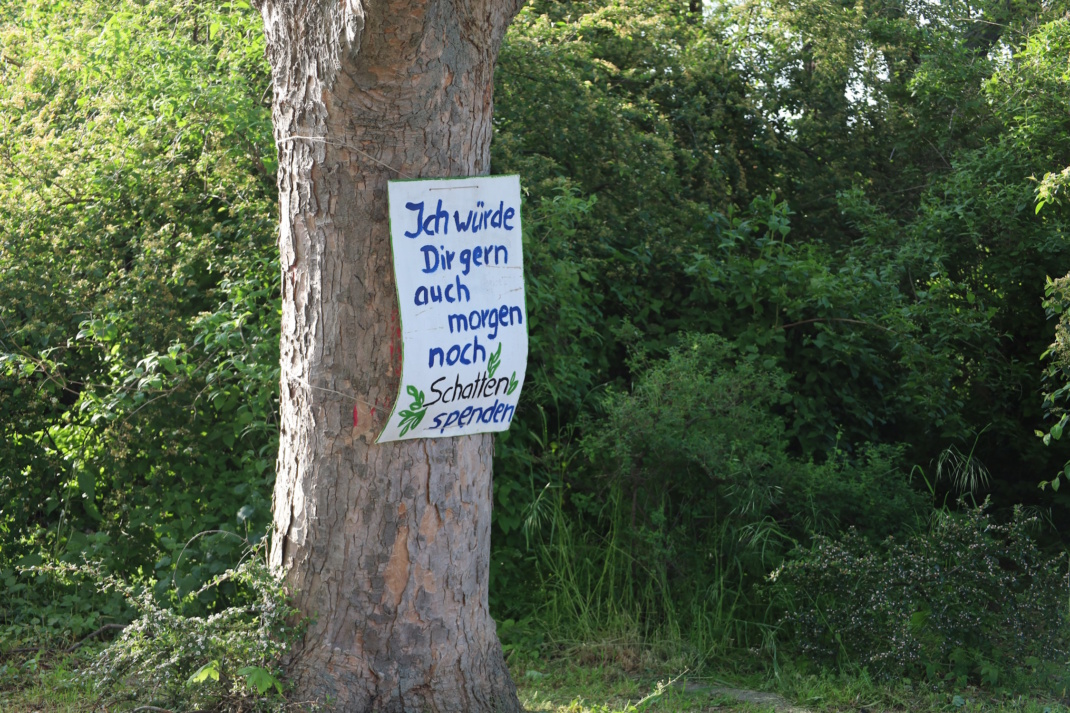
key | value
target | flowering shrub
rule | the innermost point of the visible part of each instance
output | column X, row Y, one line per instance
column 968, row 601
column 226, row 661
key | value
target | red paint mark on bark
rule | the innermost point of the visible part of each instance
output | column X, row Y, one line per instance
column 356, row 418
column 381, row 403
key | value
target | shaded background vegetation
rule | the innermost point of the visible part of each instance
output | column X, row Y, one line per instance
column 786, row 277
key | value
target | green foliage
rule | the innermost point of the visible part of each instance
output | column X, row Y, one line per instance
column 138, row 305
column 872, row 358
column 868, row 492
column 687, row 468
column 674, row 134
column 840, row 192
column 968, row 601
column 44, row 606
column 687, row 499
column 650, row 214
column 229, row 660
column 985, row 110
column 1057, row 371
column 1037, row 67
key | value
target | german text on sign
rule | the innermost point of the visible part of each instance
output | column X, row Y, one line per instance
column 459, row 266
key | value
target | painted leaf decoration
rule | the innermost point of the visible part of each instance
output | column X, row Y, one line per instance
column 410, row 419
column 495, row 361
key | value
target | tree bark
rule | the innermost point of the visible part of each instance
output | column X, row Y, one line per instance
column 386, row 546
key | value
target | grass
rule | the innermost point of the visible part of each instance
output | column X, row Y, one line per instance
column 44, row 683
column 584, row 679
column 599, row 679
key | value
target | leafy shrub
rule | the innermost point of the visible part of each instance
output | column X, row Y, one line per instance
column 139, row 307
column 229, row 660
column 869, row 492
column 46, row 603
column 970, row 600
column 1057, row 368
column 688, row 496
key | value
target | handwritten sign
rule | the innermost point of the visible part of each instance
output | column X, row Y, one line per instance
column 459, row 266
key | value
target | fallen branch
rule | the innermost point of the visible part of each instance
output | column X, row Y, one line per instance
column 72, row 647
column 87, row 637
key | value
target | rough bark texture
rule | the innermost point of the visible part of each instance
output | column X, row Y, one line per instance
column 387, row 546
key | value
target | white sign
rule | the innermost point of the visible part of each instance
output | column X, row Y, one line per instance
column 459, row 266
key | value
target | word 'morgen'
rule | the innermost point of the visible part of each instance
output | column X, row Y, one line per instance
column 489, row 319
column 480, row 218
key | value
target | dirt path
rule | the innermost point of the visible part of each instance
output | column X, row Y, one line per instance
column 779, row 704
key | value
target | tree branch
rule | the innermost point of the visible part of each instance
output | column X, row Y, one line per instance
column 87, row 637
column 832, row 319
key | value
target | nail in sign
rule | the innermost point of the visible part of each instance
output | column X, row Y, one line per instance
column 459, row 267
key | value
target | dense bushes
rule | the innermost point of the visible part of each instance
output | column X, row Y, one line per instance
column 968, row 600
column 688, row 230
column 230, row 660
column 778, row 258
column 689, row 497
column 138, row 305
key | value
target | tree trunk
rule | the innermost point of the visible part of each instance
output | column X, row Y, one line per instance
column 387, row 546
